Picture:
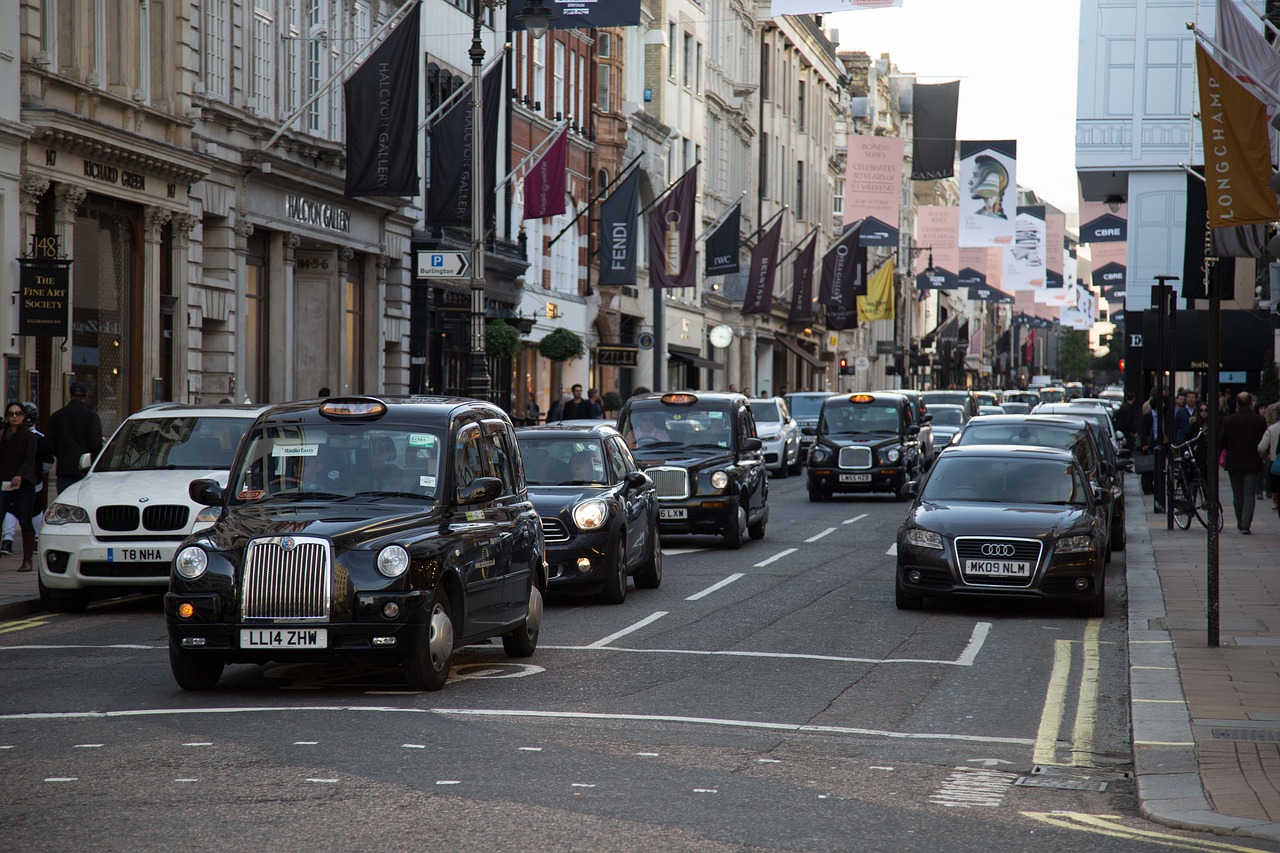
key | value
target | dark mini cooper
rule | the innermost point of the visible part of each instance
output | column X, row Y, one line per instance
column 360, row 528
column 705, row 458
column 1007, row 522
column 865, row 443
column 599, row 510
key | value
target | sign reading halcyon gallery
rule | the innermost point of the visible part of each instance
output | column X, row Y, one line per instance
column 43, row 287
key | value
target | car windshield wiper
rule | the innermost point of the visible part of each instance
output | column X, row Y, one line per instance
column 651, row 444
column 381, row 493
column 310, row 496
column 576, row 483
column 716, row 445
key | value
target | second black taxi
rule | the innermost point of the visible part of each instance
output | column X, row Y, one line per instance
column 865, row 443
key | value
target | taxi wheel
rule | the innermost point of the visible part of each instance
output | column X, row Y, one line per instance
column 757, row 530
column 192, row 671
column 523, row 641
column 615, row 586
column 734, row 537
column 815, row 495
column 64, row 600
column 650, row 574
column 427, row 666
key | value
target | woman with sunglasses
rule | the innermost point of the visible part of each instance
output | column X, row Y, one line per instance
column 18, row 472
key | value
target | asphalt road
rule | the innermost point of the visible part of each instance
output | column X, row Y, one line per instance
column 768, row 698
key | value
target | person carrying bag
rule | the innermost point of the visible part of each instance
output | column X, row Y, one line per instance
column 1269, row 450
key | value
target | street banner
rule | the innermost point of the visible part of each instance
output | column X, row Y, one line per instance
column 1055, row 236
column 1238, row 34
column 381, row 103
column 722, row 244
column 1081, row 312
column 1100, row 224
column 878, row 303
column 988, row 177
column 802, row 284
column 449, row 196
column 937, row 236
column 671, row 236
column 838, row 271
column 850, row 280
column 1199, row 237
column 764, row 266
column 544, row 185
column 1237, row 156
column 821, row 7
column 618, row 225
column 873, row 179
column 876, row 234
column 1024, row 261
column 1111, row 278
column 969, row 277
column 933, row 139
column 584, row 14
column 987, row 260
column 987, row 293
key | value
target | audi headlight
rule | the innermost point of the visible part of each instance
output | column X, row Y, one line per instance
column 191, row 562
column 1075, row 544
column 891, row 455
column 719, row 480
column 208, row 514
column 591, row 515
column 821, row 454
column 65, row 514
column 924, row 539
column 393, row 561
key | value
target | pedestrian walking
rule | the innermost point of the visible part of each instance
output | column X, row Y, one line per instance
column 597, row 404
column 1240, row 435
column 577, row 408
column 74, row 430
column 18, row 471
column 1269, row 450
column 11, row 525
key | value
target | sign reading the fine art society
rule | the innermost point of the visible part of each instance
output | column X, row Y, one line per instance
column 42, row 299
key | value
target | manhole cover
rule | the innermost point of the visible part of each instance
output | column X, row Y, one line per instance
column 1265, row 735
column 1066, row 784
column 1071, row 778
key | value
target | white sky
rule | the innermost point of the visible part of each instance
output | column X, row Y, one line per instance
column 1016, row 63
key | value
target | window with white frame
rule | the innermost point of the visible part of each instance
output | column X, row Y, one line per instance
column 688, row 60
column 580, row 115
column 560, row 71
column 316, row 63
column 290, row 56
column 697, row 69
column 539, row 93
column 837, row 199
column 261, row 60
column 671, row 49
column 603, row 86
column 216, row 68
column 604, row 45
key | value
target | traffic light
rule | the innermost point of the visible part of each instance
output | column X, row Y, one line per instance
column 846, row 369
column 1122, row 365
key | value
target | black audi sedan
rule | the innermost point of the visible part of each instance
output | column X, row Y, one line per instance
column 599, row 511
column 359, row 528
column 1007, row 522
column 865, row 443
column 706, row 460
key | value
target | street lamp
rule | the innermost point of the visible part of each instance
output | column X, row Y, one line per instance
column 536, row 18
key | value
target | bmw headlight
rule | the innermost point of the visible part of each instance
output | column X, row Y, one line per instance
column 719, row 480
column 821, row 454
column 191, row 562
column 591, row 515
column 1075, row 544
column 891, row 455
column 393, row 560
column 65, row 514
column 924, row 539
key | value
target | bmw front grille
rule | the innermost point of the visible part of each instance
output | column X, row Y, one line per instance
column 287, row 578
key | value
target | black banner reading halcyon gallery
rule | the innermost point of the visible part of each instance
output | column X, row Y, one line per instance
column 449, row 197
column 802, row 284
column 381, row 102
column 618, row 224
column 934, row 137
column 722, row 244
column 584, row 14
column 764, row 264
column 42, row 298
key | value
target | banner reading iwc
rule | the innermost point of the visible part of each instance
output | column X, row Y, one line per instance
column 42, row 301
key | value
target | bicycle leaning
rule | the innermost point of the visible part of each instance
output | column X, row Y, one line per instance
column 1189, row 490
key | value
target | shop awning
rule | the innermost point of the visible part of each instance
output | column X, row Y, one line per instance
column 947, row 330
column 692, row 357
column 802, row 352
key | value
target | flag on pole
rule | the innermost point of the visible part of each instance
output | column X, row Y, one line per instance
column 585, row 14
column 838, row 270
column 933, row 139
column 544, row 185
column 988, row 176
column 1240, row 37
column 449, row 197
column 618, row 233
column 381, row 103
column 802, row 284
column 671, row 236
column 764, row 264
column 878, row 303
column 1237, row 157
column 722, row 244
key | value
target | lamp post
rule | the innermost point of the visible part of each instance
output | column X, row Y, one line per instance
column 536, row 17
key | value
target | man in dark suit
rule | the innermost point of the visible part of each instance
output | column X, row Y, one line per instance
column 1239, row 437
column 74, row 430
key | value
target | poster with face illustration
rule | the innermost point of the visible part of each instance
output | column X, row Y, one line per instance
column 988, row 192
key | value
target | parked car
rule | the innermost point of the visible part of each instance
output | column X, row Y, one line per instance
column 358, row 528
column 118, row 527
column 865, row 443
column 1004, row 522
column 599, row 511
column 780, row 434
column 704, row 456
column 805, row 407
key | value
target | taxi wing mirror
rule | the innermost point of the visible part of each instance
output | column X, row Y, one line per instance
column 927, row 418
column 809, row 430
column 205, row 492
column 751, row 443
column 481, row 490
column 913, row 430
column 86, row 459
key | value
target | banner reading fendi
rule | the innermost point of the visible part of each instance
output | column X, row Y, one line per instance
column 618, row 233
column 989, row 192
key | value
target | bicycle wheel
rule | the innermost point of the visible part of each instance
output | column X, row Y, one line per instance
column 1183, row 507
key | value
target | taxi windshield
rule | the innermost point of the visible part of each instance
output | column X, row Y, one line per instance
column 994, row 480
column 188, row 442
column 663, row 425
column 562, row 461
column 859, row 417
column 339, row 460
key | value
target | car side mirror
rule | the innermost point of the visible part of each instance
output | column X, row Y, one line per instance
column 636, row 479
column 913, row 430
column 809, row 430
column 481, row 490
column 911, row 487
column 1100, row 495
column 928, row 418
column 86, row 459
column 750, row 443
column 205, row 492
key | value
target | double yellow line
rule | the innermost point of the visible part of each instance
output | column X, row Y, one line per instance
column 24, row 624
column 1055, row 700
column 1110, row 826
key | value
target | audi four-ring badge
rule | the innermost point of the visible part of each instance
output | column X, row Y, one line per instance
column 1005, row 522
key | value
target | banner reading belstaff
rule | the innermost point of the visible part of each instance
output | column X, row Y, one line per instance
column 988, row 179
column 802, row 284
column 449, row 196
column 933, row 140
column 381, row 102
column 764, row 264
column 1237, row 162
column 722, row 244
column 671, row 248
column 617, row 237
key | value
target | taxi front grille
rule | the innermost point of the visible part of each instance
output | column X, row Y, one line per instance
column 287, row 577
column 554, row 531
column 855, row 457
column 670, row 482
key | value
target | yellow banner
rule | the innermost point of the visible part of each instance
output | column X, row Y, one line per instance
column 878, row 303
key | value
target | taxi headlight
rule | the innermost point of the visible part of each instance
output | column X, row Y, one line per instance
column 591, row 515
column 719, row 480
column 393, row 560
column 891, row 455
column 208, row 514
column 65, row 514
column 820, row 455
column 1075, row 544
column 191, row 562
column 924, row 539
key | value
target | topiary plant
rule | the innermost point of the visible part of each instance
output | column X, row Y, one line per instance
column 611, row 400
column 561, row 345
column 501, row 339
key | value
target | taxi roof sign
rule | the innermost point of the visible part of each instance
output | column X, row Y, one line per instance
column 353, row 407
column 679, row 399
column 861, row 398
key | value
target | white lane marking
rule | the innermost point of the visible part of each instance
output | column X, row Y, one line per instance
column 413, row 746
column 205, row 743
column 767, row 761
column 893, row 550
column 62, row 779
column 581, row 785
column 967, row 787
column 324, row 781
column 305, row 742
column 652, row 617
column 87, row 746
column 7, row 746
column 976, row 641
column 715, row 586
column 448, row 782
column 647, row 754
column 676, row 552
column 531, row 749
column 818, row 536
column 188, row 779
column 879, row 767
column 856, row 518
column 775, row 557
column 705, row 791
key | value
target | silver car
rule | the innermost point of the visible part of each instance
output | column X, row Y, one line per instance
column 780, row 434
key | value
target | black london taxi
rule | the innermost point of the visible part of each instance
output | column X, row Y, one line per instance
column 702, row 452
column 865, row 443
column 599, row 510
column 361, row 528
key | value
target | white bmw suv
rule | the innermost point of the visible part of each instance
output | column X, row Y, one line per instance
column 118, row 526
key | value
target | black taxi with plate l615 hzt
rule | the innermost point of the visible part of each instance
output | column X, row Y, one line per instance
column 864, row 443
column 702, row 452
column 358, row 528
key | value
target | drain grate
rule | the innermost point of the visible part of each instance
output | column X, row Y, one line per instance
column 1263, row 735
column 1071, row 778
